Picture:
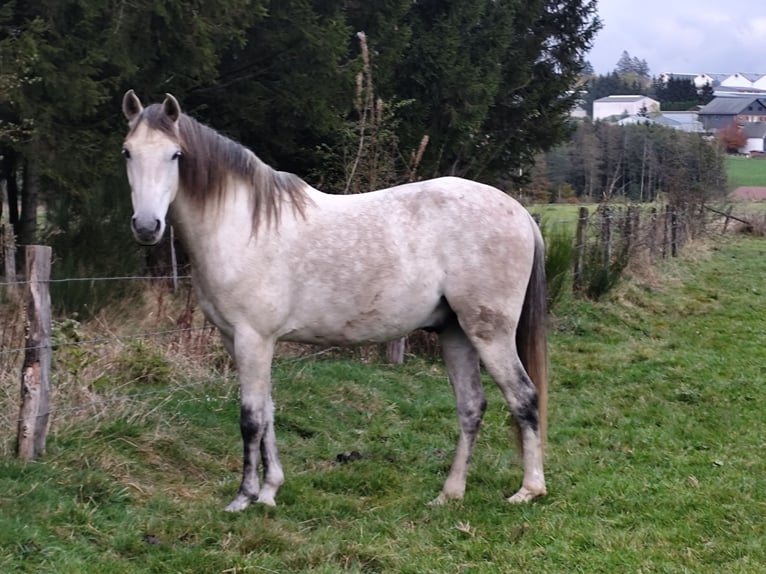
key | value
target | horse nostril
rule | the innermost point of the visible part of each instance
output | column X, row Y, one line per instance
column 145, row 227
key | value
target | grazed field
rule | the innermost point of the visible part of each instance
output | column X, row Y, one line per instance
column 743, row 171
column 655, row 461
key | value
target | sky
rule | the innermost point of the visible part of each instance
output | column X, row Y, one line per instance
column 682, row 36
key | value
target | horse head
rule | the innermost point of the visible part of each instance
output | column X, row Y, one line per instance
column 152, row 151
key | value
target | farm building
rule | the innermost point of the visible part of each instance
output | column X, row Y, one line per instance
column 682, row 121
column 741, row 80
column 722, row 111
column 756, row 136
column 633, row 105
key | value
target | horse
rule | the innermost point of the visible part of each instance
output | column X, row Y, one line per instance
column 274, row 259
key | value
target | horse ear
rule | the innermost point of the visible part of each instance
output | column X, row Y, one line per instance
column 131, row 105
column 171, row 107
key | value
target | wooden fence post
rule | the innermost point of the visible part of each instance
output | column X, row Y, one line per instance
column 395, row 351
column 606, row 236
column 727, row 217
column 674, row 239
column 582, row 229
column 652, row 233
column 35, row 373
column 173, row 259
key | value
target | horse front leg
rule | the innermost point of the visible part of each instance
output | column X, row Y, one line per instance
column 253, row 355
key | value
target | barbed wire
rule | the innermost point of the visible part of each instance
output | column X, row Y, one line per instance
column 97, row 279
column 172, row 389
column 102, row 340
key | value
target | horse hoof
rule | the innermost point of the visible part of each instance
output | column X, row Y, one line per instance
column 525, row 495
column 445, row 497
column 238, row 504
column 438, row 501
column 267, row 500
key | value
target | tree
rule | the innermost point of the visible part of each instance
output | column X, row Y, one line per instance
column 627, row 66
column 71, row 58
column 491, row 81
column 288, row 88
column 638, row 162
column 732, row 137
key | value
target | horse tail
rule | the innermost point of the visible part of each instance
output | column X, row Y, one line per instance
column 531, row 333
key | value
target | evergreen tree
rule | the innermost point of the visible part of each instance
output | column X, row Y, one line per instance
column 492, row 81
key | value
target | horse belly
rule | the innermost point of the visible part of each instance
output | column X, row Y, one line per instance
column 390, row 319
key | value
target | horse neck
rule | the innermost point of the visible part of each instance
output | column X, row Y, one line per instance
column 211, row 232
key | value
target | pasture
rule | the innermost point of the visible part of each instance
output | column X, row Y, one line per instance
column 743, row 171
column 654, row 462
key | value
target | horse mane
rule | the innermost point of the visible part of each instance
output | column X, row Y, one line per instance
column 209, row 159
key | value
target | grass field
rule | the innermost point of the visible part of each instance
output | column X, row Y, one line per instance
column 742, row 171
column 655, row 461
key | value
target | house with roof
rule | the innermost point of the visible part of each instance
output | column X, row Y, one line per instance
column 628, row 105
column 681, row 121
column 721, row 111
column 712, row 80
column 739, row 80
column 756, row 138
column 699, row 80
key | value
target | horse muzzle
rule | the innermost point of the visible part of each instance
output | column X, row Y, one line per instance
column 147, row 229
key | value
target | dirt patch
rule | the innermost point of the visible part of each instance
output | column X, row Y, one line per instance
column 748, row 193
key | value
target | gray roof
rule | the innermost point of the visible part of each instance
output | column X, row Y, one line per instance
column 718, row 77
column 732, row 92
column 630, row 98
column 685, row 125
column 731, row 106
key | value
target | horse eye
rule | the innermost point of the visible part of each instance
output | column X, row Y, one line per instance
column 177, row 155
column 125, row 153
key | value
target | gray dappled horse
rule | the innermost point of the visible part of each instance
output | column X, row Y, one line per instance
column 275, row 259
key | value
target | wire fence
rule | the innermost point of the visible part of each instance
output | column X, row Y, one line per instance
column 602, row 227
column 71, row 404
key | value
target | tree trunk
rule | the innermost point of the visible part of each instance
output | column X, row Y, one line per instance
column 27, row 228
column 11, row 187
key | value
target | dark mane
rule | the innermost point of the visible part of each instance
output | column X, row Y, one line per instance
column 209, row 159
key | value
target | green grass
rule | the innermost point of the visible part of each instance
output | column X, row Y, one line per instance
column 742, row 171
column 655, row 460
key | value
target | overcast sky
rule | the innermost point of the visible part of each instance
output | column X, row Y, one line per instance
column 683, row 36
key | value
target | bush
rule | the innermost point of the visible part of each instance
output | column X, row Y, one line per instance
column 559, row 256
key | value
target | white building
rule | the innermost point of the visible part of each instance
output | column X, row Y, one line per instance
column 623, row 106
column 739, row 81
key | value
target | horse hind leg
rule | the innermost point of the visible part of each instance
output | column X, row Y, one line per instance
column 462, row 363
column 501, row 360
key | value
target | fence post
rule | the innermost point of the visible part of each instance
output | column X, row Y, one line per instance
column 35, row 373
column 674, row 233
column 173, row 259
column 606, row 236
column 727, row 215
column 582, row 229
column 395, row 351
column 652, row 233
